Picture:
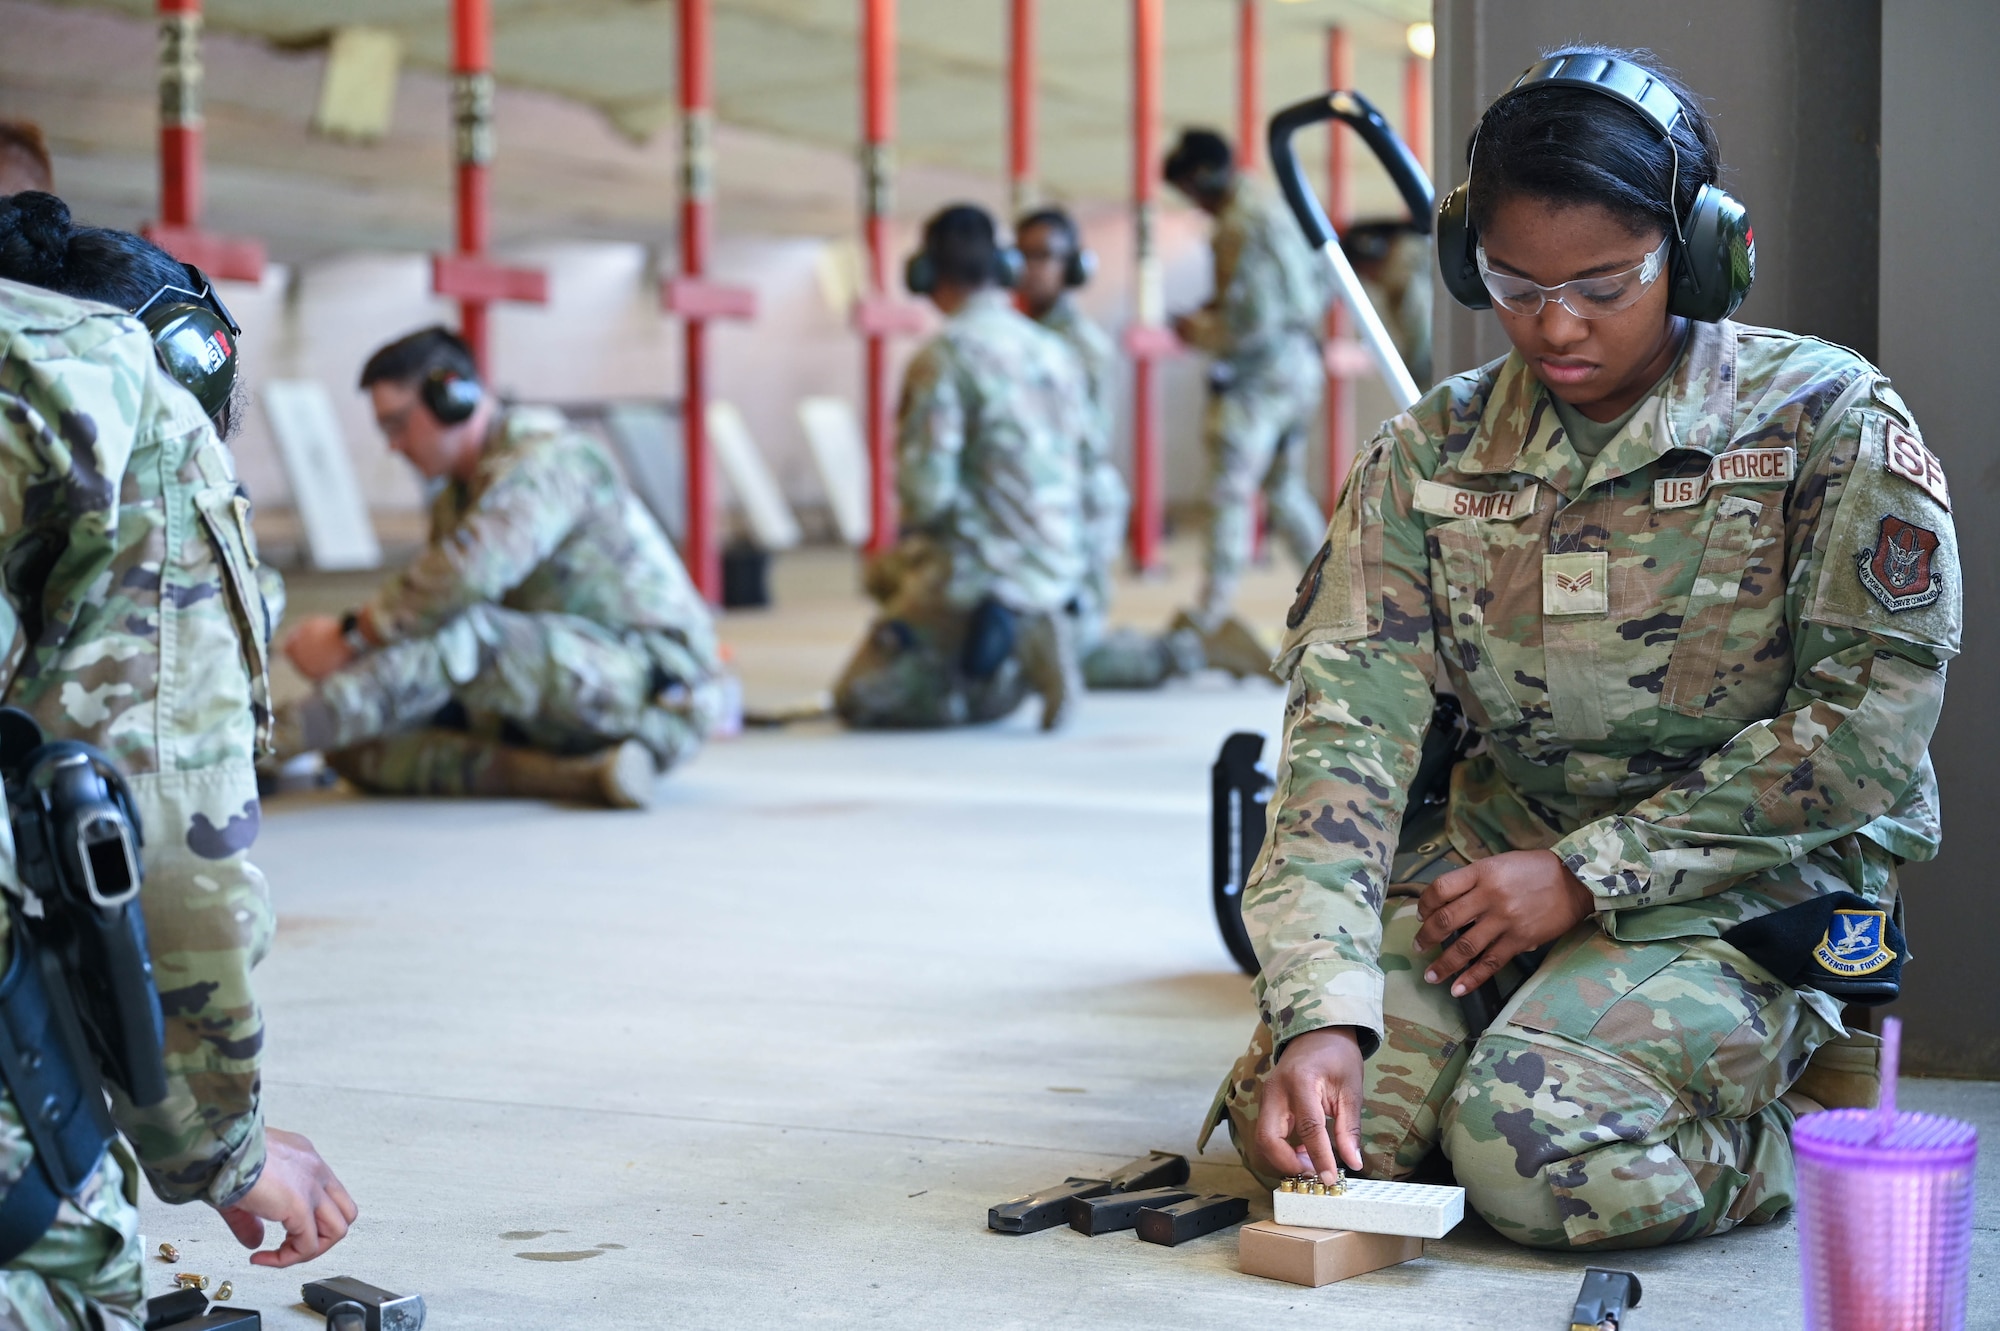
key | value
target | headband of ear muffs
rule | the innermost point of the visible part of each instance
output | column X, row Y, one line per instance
column 921, row 277
column 1714, row 250
column 194, row 337
column 450, row 396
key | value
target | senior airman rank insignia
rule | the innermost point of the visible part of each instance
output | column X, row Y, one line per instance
column 1855, row 943
column 1899, row 572
column 1308, row 587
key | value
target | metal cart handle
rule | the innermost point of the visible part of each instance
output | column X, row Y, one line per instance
column 1355, row 110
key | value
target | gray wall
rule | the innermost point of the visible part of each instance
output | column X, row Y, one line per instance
column 1792, row 87
column 1865, row 137
column 1940, row 277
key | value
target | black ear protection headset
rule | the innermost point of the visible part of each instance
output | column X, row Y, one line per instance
column 1080, row 264
column 920, row 273
column 194, row 336
column 1714, row 252
column 450, row 396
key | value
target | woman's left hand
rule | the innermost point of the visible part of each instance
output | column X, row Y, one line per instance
column 317, row 646
column 1506, row 904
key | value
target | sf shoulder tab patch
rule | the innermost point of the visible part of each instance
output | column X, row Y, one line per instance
column 1741, row 466
column 1856, row 943
column 1448, row 501
column 1900, row 571
column 1904, row 454
column 1308, row 587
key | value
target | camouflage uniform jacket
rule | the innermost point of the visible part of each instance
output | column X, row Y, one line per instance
column 1105, row 496
column 548, row 524
column 1271, row 290
column 133, row 621
column 1715, row 650
column 992, row 438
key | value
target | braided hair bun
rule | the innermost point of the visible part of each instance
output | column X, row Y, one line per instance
column 41, row 246
column 35, row 236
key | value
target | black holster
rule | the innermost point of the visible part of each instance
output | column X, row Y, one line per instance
column 78, row 1006
column 46, row 1064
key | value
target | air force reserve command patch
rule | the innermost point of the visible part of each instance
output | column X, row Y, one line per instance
column 1856, row 943
column 1899, row 571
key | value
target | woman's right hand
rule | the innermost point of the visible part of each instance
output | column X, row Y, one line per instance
column 1316, row 1086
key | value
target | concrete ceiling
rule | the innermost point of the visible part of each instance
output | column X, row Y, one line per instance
column 787, row 99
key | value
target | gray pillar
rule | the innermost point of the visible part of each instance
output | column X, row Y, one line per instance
column 1792, row 87
column 1940, row 276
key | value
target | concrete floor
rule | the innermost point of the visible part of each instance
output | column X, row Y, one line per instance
column 765, row 1054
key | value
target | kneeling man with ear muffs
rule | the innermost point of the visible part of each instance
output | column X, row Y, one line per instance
column 991, row 440
column 546, row 643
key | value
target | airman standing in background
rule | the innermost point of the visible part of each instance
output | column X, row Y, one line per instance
column 1262, row 328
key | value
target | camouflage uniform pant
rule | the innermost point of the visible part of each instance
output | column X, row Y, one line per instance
column 556, row 682
column 1254, row 435
column 1127, row 658
column 86, row 1273
column 1626, row 1095
column 906, row 676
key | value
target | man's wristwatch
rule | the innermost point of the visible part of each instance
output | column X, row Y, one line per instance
column 351, row 634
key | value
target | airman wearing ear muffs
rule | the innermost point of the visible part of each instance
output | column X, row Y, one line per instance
column 1696, row 585
column 1261, row 330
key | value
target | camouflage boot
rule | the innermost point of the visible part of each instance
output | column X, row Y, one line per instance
column 449, row 762
column 620, row 777
column 1229, row 644
column 1047, row 653
column 1182, row 647
column 1844, row 1073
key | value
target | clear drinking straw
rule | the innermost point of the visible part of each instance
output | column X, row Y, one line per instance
column 1892, row 1057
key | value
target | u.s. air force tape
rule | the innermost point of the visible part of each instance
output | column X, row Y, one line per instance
column 1742, row 466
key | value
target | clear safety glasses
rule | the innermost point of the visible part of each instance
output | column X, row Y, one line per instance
column 1585, row 297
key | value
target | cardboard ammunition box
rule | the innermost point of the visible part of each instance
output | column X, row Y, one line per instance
column 1317, row 1257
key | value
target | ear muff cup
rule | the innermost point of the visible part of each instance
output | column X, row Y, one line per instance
column 197, row 348
column 1079, row 267
column 450, row 397
column 1713, row 274
column 1007, row 264
column 1458, row 264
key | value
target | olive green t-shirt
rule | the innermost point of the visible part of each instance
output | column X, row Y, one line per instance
column 1588, row 437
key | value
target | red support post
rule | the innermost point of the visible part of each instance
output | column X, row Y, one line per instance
column 1146, row 340
column 178, row 229
column 878, row 133
column 704, row 556
column 472, row 80
column 1340, row 432
column 467, row 274
column 691, row 296
column 1021, row 106
column 1249, row 75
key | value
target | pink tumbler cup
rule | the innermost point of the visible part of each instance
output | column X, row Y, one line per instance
column 1884, row 1214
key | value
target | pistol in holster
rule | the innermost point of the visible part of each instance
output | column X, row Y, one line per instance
column 78, row 1007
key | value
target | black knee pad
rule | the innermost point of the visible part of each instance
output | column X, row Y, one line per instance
column 989, row 639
